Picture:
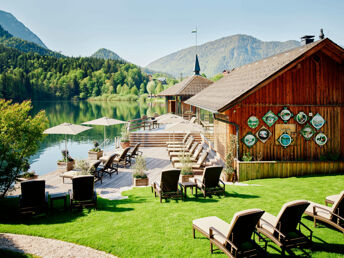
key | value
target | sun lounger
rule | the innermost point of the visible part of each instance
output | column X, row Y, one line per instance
column 179, row 152
column 122, row 159
column 108, row 167
column 82, row 193
column 210, row 182
column 235, row 239
column 185, row 147
column 168, row 186
column 199, row 164
column 134, row 153
column 284, row 230
column 33, row 198
column 195, row 151
column 93, row 170
column 179, row 142
column 333, row 216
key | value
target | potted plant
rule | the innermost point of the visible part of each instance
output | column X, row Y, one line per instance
column 96, row 152
column 140, row 178
column 27, row 176
column 228, row 173
column 82, row 166
column 186, row 168
column 62, row 165
column 125, row 142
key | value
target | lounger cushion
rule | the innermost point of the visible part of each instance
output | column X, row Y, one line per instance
column 320, row 212
column 269, row 218
column 176, row 159
column 70, row 174
column 205, row 223
column 198, row 181
column 333, row 198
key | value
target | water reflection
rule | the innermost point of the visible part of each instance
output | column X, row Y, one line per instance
column 58, row 112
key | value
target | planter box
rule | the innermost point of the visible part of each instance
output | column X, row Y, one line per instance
column 61, row 166
column 93, row 155
column 185, row 178
column 21, row 179
column 140, row 181
column 227, row 178
column 125, row 145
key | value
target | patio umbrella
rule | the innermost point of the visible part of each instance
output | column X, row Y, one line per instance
column 105, row 121
column 66, row 128
column 184, row 126
column 171, row 119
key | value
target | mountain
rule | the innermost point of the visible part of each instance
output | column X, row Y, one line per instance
column 7, row 40
column 18, row 29
column 222, row 54
column 106, row 54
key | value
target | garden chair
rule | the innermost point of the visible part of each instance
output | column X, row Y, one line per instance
column 33, row 198
column 179, row 143
column 108, row 167
column 199, row 164
column 134, row 153
column 185, row 147
column 235, row 239
column 82, row 193
column 285, row 229
column 333, row 216
column 168, row 186
column 122, row 159
column 195, row 151
column 210, row 182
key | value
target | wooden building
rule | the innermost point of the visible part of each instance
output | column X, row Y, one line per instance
column 286, row 111
column 177, row 94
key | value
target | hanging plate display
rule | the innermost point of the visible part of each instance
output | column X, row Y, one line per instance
column 320, row 139
column 270, row 118
column 285, row 114
column 253, row 122
column 318, row 121
column 285, row 140
column 249, row 139
column 263, row 134
column 307, row 131
column 301, row 118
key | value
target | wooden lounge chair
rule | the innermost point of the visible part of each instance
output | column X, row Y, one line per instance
column 83, row 193
column 108, row 167
column 185, row 147
column 93, row 170
column 168, row 186
column 195, row 151
column 180, row 142
column 235, row 239
column 199, row 164
column 33, row 198
column 210, row 182
column 333, row 216
column 134, row 153
column 189, row 152
column 285, row 229
column 122, row 159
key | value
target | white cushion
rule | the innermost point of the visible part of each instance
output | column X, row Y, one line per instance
column 320, row 212
column 213, row 221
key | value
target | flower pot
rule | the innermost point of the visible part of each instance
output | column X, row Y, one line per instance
column 125, row 145
column 140, row 181
column 185, row 178
column 61, row 166
column 95, row 155
column 228, row 177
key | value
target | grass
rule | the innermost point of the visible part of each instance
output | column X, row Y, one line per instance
column 142, row 227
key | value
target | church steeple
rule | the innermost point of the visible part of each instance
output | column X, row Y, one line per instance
column 197, row 68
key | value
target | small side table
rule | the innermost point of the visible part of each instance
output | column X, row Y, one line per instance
column 330, row 199
column 58, row 196
column 186, row 185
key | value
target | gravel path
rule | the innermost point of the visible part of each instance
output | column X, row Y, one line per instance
column 46, row 247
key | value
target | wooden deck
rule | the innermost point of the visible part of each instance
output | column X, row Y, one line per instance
column 156, row 158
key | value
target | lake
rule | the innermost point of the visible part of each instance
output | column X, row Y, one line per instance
column 58, row 112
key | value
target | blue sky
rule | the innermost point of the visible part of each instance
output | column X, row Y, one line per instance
column 142, row 31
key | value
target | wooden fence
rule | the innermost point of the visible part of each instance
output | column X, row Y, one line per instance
column 267, row 169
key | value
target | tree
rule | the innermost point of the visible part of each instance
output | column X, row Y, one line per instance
column 159, row 88
column 142, row 88
column 134, row 91
column 19, row 139
column 151, row 87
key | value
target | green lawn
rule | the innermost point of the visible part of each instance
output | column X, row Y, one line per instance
column 142, row 227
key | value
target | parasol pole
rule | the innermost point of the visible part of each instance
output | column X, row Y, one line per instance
column 66, row 152
column 104, row 137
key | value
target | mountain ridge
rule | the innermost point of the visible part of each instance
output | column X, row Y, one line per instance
column 105, row 53
column 220, row 54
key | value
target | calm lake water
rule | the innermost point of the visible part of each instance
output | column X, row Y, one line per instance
column 44, row 161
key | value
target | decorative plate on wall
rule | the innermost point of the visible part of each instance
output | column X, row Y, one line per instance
column 320, row 139
column 285, row 114
column 318, row 121
column 249, row 139
column 301, row 118
column 270, row 118
column 307, row 131
column 263, row 134
column 253, row 122
column 285, row 140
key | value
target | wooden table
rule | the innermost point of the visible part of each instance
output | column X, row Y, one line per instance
column 58, row 196
column 186, row 185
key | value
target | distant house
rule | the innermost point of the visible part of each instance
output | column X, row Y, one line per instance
column 162, row 80
column 177, row 94
column 288, row 107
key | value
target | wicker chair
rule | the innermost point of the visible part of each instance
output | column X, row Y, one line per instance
column 33, row 198
column 134, row 153
column 285, row 229
column 209, row 183
column 235, row 239
column 168, row 186
column 108, row 167
column 83, row 194
column 122, row 159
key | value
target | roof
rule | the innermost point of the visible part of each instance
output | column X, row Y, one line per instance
column 189, row 86
column 240, row 82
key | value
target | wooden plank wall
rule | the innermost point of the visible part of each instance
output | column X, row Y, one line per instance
column 266, row 169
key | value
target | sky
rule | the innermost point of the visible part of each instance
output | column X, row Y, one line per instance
column 141, row 31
